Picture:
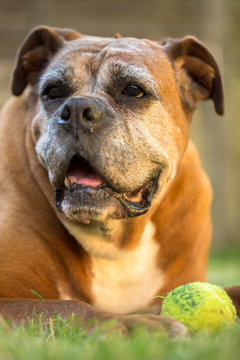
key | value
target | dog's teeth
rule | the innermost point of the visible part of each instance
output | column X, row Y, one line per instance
column 70, row 185
column 67, row 183
column 135, row 196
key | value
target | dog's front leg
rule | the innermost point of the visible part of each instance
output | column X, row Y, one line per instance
column 20, row 311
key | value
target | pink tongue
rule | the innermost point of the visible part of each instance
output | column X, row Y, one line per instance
column 82, row 178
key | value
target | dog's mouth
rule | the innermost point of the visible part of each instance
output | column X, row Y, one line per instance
column 83, row 182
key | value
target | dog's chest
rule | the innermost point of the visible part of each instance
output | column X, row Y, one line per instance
column 128, row 284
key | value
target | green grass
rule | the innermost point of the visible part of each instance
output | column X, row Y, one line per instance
column 224, row 267
column 61, row 340
column 69, row 343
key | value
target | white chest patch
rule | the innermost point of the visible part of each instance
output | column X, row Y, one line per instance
column 128, row 284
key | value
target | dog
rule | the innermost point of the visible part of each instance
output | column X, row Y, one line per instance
column 104, row 202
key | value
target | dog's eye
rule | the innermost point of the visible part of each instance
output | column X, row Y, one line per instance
column 52, row 93
column 133, row 91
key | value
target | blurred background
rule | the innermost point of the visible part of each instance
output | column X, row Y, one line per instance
column 215, row 22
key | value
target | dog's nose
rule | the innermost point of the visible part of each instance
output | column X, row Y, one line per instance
column 80, row 112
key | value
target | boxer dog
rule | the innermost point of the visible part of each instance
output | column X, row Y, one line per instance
column 104, row 202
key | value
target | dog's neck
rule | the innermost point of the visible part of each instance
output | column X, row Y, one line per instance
column 123, row 268
column 111, row 239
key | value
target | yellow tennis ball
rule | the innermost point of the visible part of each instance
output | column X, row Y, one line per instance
column 200, row 306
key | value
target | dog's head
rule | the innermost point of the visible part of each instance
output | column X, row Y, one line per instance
column 113, row 115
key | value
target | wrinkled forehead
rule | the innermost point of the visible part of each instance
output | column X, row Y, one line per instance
column 126, row 58
column 110, row 47
column 96, row 52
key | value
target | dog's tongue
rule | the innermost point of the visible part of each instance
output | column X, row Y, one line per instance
column 81, row 177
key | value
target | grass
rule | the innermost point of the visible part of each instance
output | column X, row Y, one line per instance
column 69, row 343
column 61, row 340
column 224, row 267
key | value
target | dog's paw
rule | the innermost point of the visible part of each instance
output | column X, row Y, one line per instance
column 234, row 293
column 125, row 324
column 155, row 323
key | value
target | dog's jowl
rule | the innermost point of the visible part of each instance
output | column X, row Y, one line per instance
column 104, row 202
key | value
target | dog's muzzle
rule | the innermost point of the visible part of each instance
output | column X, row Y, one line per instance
column 80, row 187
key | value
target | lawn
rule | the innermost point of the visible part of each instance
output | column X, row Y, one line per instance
column 64, row 341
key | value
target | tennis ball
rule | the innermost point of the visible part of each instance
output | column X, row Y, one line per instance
column 200, row 306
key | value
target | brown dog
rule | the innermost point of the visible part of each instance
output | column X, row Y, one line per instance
column 104, row 202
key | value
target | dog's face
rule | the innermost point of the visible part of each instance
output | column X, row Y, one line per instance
column 113, row 116
column 105, row 131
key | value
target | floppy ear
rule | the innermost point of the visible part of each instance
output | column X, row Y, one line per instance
column 197, row 72
column 35, row 52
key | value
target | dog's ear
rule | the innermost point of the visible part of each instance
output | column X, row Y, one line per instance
column 35, row 52
column 197, row 72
